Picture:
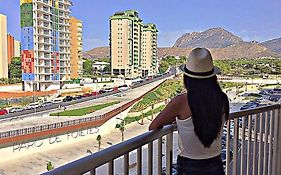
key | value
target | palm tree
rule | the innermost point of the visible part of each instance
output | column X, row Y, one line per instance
column 99, row 141
column 50, row 166
column 121, row 127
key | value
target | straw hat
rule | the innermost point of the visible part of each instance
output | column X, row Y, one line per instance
column 199, row 64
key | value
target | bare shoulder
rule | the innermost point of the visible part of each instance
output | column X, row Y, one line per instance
column 181, row 105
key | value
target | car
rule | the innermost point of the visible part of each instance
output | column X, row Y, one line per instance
column 57, row 100
column 77, row 97
column 68, row 98
column 33, row 105
column 47, row 103
column 15, row 109
column 86, row 95
column 3, row 111
column 123, row 87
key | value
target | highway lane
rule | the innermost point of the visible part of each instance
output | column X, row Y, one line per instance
column 51, row 108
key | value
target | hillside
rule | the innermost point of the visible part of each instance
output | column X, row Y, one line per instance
column 245, row 50
column 274, row 45
column 211, row 38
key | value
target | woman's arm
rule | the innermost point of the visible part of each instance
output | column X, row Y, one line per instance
column 167, row 116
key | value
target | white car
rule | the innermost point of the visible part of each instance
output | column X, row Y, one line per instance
column 58, row 100
column 123, row 87
column 33, row 105
column 15, row 109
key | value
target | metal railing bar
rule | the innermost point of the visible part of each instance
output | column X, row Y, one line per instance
column 255, row 143
column 249, row 146
column 169, row 153
column 235, row 146
column 275, row 137
column 228, row 148
column 265, row 148
column 159, row 156
column 269, row 163
column 139, row 161
column 126, row 164
column 261, row 121
column 110, row 167
column 149, row 158
column 93, row 172
column 242, row 146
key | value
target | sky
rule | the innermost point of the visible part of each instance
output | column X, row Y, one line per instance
column 258, row 20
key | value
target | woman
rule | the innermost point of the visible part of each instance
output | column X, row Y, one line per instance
column 199, row 114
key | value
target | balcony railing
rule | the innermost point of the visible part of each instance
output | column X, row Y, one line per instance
column 252, row 139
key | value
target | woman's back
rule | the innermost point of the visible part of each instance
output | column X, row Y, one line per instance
column 189, row 144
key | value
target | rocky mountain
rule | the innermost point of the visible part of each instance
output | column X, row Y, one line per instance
column 211, row 38
column 274, row 45
column 242, row 50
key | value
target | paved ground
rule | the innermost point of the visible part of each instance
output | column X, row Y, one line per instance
column 43, row 118
column 36, row 163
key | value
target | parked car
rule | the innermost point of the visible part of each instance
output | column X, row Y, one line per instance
column 77, row 97
column 47, row 103
column 94, row 93
column 33, row 105
column 123, row 87
column 67, row 98
column 86, row 95
column 57, row 100
column 3, row 111
column 15, row 109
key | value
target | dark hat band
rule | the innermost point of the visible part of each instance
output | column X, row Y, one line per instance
column 199, row 73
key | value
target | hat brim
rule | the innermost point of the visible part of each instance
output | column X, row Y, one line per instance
column 216, row 71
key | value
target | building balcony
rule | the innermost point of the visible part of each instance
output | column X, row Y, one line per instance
column 251, row 145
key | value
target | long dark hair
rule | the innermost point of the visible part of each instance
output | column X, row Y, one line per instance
column 208, row 103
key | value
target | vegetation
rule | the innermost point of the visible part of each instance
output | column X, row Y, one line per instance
column 225, row 85
column 87, row 68
column 170, row 61
column 129, row 120
column 168, row 89
column 99, row 142
column 14, row 72
column 250, row 67
column 84, row 111
column 121, row 127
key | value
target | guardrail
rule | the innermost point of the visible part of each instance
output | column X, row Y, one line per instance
column 253, row 137
column 66, row 126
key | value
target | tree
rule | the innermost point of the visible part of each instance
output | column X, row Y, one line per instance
column 99, row 141
column 87, row 67
column 50, row 166
column 121, row 127
column 14, row 71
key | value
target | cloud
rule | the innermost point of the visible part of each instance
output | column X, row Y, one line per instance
column 168, row 38
column 90, row 43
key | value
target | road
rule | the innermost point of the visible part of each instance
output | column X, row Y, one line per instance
column 43, row 117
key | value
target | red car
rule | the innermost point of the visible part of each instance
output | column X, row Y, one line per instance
column 3, row 112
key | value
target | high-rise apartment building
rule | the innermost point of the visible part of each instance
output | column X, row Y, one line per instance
column 45, row 43
column 149, row 50
column 17, row 48
column 125, row 43
column 3, row 47
column 129, row 38
column 76, row 64
column 10, row 47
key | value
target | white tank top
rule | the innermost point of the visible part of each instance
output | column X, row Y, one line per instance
column 190, row 145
